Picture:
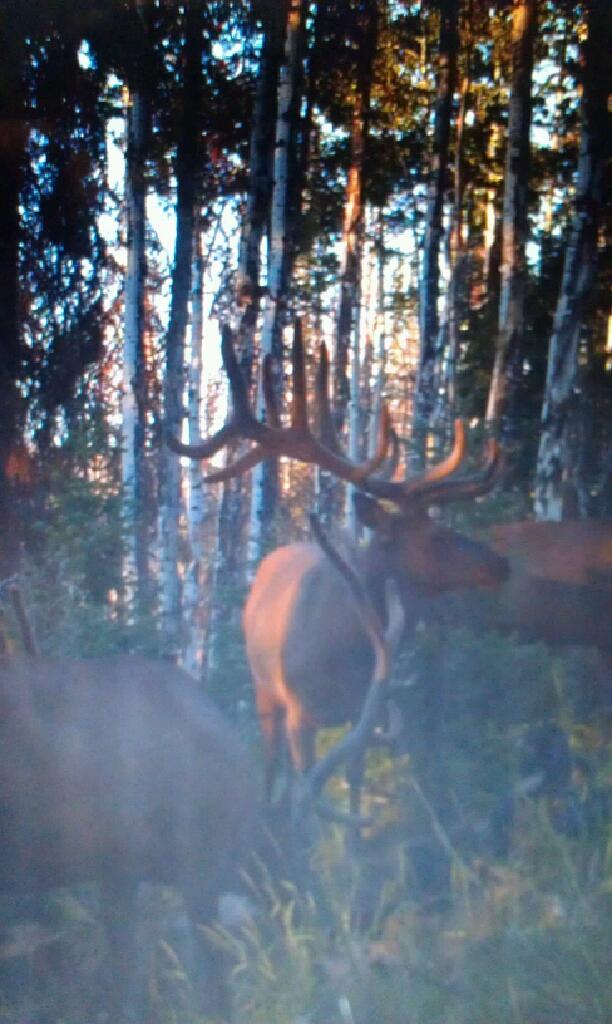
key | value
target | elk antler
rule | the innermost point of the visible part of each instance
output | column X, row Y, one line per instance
column 384, row 641
column 271, row 440
column 436, row 485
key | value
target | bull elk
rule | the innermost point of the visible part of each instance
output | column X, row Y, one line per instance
column 309, row 654
column 118, row 770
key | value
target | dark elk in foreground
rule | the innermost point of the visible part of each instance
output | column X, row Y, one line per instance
column 309, row 653
column 117, row 770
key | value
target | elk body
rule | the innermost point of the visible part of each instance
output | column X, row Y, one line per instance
column 310, row 656
column 118, row 770
column 559, row 590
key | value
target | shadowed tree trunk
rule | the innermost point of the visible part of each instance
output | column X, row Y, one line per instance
column 513, row 268
column 257, row 211
column 448, row 338
column 555, row 467
column 187, row 177
column 13, row 141
column 438, row 179
column 353, row 222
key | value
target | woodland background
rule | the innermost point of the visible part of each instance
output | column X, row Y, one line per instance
column 424, row 184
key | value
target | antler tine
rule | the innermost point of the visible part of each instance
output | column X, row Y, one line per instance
column 269, row 390
column 442, row 491
column 392, row 459
column 299, row 414
column 443, row 469
column 241, row 421
column 240, row 465
column 272, row 440
column 238, row 388
column 327, row 430
column 434, row 487
column 203, row 449
column 325, row 422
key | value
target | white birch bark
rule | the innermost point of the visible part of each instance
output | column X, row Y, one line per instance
column 133, row 412
column 271, row 340
column 193, row 587
column 381, row 334
column 555, row 457
column 355, row 405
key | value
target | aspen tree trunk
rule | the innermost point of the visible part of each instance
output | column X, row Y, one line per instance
column 513, row 269
column 355, row 417
column 136, row 566
column 280, row 259
column 381, row 334
column 438, row 176
column 194, row 589
column 352, row 237
column 556, row 456
column 255, row 225
column 187, row 177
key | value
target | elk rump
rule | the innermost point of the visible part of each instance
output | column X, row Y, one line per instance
column 118, row 770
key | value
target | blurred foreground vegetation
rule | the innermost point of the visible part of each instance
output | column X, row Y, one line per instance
column 479, row 893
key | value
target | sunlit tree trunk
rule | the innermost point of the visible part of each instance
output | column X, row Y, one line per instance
column 352, row 237
column 187, row 177
column 136, row 568
column 355, row 410
column 381, row 335
column 513, row 268
column 353, row 220
column 555, row 467
column 280, row 259
column 438, row 178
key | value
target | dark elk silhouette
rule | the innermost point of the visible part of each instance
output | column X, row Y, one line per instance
column 310, row 656
column 118, row 770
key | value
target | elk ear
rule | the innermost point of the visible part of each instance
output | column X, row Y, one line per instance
column 370, row 512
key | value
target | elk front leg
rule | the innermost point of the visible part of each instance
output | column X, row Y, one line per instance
column 271, row 716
